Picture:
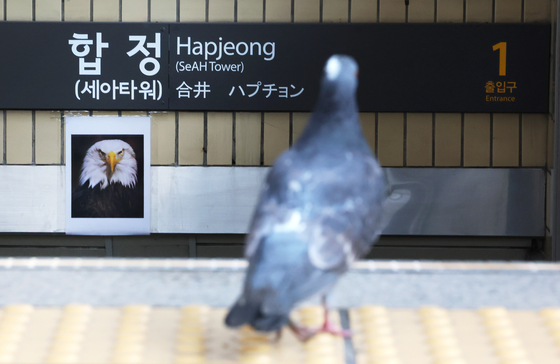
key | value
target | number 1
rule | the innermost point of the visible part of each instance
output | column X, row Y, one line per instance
column 502, row 47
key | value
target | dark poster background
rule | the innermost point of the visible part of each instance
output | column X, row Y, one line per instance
column 81, row 144
column 403, row 67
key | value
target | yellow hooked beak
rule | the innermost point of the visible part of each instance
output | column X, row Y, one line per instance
column 112, row 160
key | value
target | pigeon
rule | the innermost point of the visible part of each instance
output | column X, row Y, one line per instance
column 320, row 209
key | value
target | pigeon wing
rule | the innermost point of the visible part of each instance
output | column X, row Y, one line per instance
column 335, row 209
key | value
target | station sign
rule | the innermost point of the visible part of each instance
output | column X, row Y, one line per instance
column 272, row 66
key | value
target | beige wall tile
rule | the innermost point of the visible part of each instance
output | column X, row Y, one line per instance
column 368, row 128
column 19, row 137
column 534, row 129
column 192, row 10
column 551, row 83
column 249, row 10
column 363, row 11
column 47, row 137
column 479, row 11
column 134, row 113
column 450, row 11
column 307, row 10
column 276, row 135
column 19, row 10
column 392, row 11
column 548, row 210
column 105, row 113
column 421, row 11
column 248, row 138
column 2, row 10
column 508, row 11
column 106, row 10
column 537, row 11
column 220, row 138
column 47, row 10
column 550, row 143
column 335, row 11
column 476, row 152
column 77, row 10
column 163, row 10
column 135, row 10
column 191, row 138
column 278, row 10
column 505, row 151
column 220, row 10
column 299, row 121
column 447, row 143
column 553, row 10
column 390, row 139
column 163, row 138
column 419, row 139
column 548, row 246
column 2, row 122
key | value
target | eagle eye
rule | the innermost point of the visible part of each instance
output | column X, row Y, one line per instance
column 121, row 153
column 101, row 154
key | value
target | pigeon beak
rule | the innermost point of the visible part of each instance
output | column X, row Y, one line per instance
column 112, row 160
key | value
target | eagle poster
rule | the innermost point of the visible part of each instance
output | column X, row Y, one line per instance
column 108, row 175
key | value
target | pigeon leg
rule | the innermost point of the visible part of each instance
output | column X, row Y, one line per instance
column 328, row 326
column 305, row 333
column 301, row 332
column 278, row 336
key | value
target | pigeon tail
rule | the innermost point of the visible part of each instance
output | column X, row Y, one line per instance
column 251, row 314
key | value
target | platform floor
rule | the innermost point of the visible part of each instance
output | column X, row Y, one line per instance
column 172, row 310
column 196, row 334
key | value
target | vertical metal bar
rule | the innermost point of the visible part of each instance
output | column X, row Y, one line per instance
column 109, row 246
column 555, row 228
column 349, row 350
column 192, row 246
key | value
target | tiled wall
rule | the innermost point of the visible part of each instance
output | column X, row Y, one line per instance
column 222, row 138
column 242, row 138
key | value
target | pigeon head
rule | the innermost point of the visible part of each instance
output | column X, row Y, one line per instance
column 340, row 78
column 338, row 85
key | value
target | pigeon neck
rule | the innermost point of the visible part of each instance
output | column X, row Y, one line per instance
column 331, row 126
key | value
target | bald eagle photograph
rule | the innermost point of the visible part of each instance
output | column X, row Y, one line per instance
column 107, row 176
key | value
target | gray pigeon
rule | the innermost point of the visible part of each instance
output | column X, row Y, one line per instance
column 320, row 209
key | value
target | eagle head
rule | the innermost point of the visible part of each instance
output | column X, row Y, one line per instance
column 109, row 161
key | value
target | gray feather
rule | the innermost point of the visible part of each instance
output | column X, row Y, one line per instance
column 319, row 210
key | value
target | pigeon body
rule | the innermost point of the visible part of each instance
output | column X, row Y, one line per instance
column 320, row 208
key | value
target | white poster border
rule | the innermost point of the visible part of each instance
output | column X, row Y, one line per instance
column 108, row 125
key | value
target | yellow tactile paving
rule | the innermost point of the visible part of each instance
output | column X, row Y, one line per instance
column 373, row 337
column 68, row 339
column 323, row 348
column 503, row 336
column 440, row 336
column 196, row 334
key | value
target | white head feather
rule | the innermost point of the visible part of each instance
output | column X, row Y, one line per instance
column 333, row 67
column 96, row 167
